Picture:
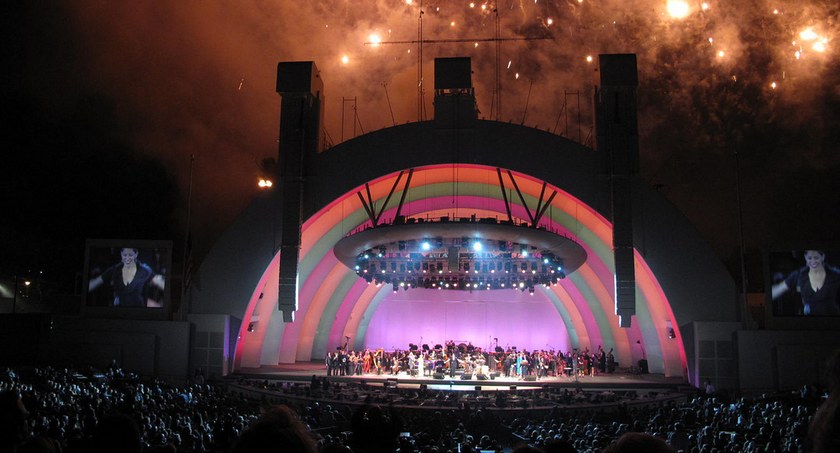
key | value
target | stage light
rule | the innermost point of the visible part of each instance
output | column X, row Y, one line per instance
column 426, row 246
column 669, row 328
column 477, row 246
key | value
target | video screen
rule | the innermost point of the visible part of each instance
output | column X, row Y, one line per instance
column 805, row 282
column 127, row 274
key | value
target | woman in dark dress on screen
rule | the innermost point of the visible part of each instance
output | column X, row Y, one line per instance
column 132, row 281
column 817, row 283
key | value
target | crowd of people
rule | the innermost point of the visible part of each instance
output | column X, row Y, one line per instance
column 448, row 395
column 61, row 410
column 115, row 411
column 451, row 359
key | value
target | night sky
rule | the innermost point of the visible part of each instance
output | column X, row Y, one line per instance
column 104, row 102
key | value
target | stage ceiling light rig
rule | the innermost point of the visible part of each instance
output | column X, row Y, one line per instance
column 459, row 254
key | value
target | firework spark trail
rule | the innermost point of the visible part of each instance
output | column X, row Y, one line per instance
column 725, row 73
column 680, row 44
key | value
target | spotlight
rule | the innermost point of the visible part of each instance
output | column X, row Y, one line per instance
column 477, row 246
column 426, row 246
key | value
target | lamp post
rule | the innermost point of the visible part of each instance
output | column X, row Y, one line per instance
column 741, row 314
column 26, row 283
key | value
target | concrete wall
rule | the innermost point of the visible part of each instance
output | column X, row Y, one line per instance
column 783, row 360
column 212, row 340
column 697, row 284
column 153, row 348
column 712, row 353
column 21, row 336
column 575, row 168
column 692, row 278
column 229, row 274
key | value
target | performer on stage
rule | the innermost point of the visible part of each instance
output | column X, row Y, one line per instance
column 602, row 360
column 367, row 363
column 454, row 356
column 521, row 364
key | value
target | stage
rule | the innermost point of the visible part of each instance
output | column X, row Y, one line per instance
column 308, row 383
column 622, row 379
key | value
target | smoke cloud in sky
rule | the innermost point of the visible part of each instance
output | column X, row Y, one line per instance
column 755, row 77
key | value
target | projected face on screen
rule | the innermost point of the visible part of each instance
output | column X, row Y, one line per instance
column 804, row 284
column 127, row 276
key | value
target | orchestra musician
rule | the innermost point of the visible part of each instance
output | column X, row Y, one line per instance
column 542, row 366
column 473, row 360
column 377, row 360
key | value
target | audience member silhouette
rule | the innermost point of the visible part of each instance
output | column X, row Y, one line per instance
column 278, row 430
column 117, row 432
column 824, row 431
column 639, row 443
column 13, row 414
column 39, row 444
column 374, row 431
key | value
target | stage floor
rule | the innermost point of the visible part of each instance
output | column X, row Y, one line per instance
column 621, row 379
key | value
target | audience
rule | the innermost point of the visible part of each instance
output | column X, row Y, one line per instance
column 60, row 410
